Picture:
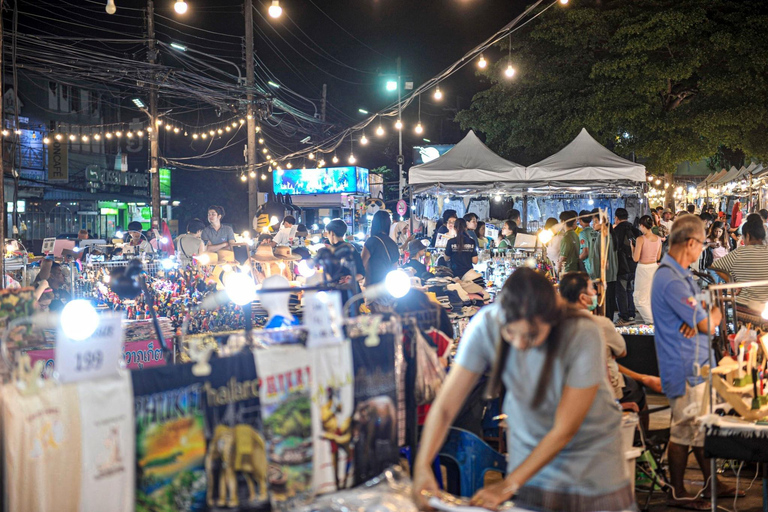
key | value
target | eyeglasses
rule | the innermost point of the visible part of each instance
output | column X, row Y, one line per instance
column 702, row 243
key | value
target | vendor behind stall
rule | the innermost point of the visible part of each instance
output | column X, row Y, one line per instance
column 217, row 236
column 138, row 239
column 565, row 444
column 190, row 244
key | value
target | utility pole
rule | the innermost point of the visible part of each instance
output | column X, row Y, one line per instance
column 2, row 160
column 322, row 105
column 154, row 148
column 254, row 200
column 400, row 134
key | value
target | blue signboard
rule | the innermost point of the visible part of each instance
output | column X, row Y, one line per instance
column 329, row 180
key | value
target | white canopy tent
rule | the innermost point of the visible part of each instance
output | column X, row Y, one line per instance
column 585, row 162
column 468, row 166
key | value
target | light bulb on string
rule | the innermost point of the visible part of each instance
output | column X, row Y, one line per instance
column 108, row 135
column 352, row 159
column 380, row 131
column 253, row 174
column 180, row 7
column 243, row 178
column 211, row 133
column 176, row 130
column 204, row 135
column 234, row 125
column 261, row 141
column 265, row 151
column 275, row 10
column 289, row 165
column 258, row 129
column 482, row 63
column 263, row 177
column 563, row 2
column 46, row 140
column 58, row 136
column 111, row 8
column 419, row 129
column 228, row 128
column 311, row 156
column 438, row 94
column 249, row 116
column 129, row 134
column 399, row 125
column 97, row 137
column 72, row 138
column 242, row 121
column 140, row 133
column 85, row 138
column 321, row 163
column 195, row 136
column 219, row 131
column 6, row 133
column 510, row 71
column 335, row 159
column 363, row 140
column 168, row 127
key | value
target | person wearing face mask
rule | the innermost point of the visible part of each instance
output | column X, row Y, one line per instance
column 565, row 447
column 682, row 338
column 579, row 290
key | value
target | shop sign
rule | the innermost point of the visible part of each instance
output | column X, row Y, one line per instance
column 124, row 179
column 165, row 182
column 58, row 161
column 94, row 357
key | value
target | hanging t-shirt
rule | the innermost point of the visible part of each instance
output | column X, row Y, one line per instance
column 42, row 441
column 378, row 402
column 108, row 444
column 284, row 373
column 499, row 209
column 384, row 255
column 461, row 254
column 332, row 405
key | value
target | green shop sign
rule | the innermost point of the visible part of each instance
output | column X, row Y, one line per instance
column 165, row 183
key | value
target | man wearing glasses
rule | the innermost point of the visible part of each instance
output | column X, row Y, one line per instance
column 682, row 347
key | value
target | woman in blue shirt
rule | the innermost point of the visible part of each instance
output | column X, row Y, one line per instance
column 565, row 428
column 461, row 251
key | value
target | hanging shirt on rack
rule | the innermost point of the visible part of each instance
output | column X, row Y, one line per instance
column 499, row 209
column 480, row 207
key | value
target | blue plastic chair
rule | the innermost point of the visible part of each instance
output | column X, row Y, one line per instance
column 473, row 458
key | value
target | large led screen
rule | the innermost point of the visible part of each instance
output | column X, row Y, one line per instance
column 329, row 180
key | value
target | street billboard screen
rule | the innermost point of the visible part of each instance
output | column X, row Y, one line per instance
column 329, row 180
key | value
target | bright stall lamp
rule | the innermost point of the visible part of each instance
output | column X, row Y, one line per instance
column 326, row 221
column 275, row 10
column 419, row 129
column 546, row 236
column 180, row 7
column 438, row 94
column 510, row 71
column 397, row 283
column 168, row 263
column 240, row 288
column 203, row 259
column 481, row 63
column 363, row 140
column 380, row 131
column 306, row 268
column 79, row 319
column 398, row 125
column 273, row 221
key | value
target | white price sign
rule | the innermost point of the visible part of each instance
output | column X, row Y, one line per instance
column 94, row 357
column 323, row 318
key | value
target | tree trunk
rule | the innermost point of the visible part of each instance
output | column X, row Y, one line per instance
column 669, row 196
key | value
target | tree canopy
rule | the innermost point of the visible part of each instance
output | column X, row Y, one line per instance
column 670, row 80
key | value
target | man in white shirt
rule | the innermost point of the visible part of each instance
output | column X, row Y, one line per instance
column 286, row 231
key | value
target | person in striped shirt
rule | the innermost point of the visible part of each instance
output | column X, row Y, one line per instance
column 749, row 263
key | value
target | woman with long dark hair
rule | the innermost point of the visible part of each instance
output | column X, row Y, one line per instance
column 646, row 251
column 565, row 440
column 380, row 252
column 461, row 251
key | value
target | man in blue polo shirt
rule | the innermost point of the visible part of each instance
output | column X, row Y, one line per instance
column 682, row 347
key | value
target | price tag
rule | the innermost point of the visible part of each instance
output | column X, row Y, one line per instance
column 94, row 357
column 323, row 317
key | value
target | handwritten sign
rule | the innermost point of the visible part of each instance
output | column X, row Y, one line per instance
column 94, row 357
column 322, row 311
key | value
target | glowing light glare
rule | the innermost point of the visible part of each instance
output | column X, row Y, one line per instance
column 765, row 312
column 45, row 140
column 563, row 2
column 380, row 131
column 118, row 234
column 168, row 263
column 398, row 125
column 180, row 7
column 326, row 221
column 397, row 283
column 203, row 259
column 363, row 140
column 72, row 137
column 164, row 240
column 321, row 163
column 335, row 159
column 315, row 227
column 482, row 63
column 497, row 199
column 546, row 236
column 510, row 71
column 360, row 235
column 240, row 288
column 305, row 269
column 438, row 94
column 111, row 8
column 311, row 156
column 252, row 174
column 352, row 159
column 195, row 136
column 391, row 85
column 419, row 129
column 58, row 136
column 79, row 319
column 243, row 178
column 658, row 182
column 275, row 10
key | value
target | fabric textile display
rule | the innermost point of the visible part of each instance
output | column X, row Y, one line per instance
column 332, row 407
column 69, row 447
column 481, row 207
column 379, row 414
column 284, row 372
column 198, row 441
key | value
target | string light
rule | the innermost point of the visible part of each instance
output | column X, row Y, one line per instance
column 58, row 136
column 204, row 135
column 419, row 129
column 219, row 131
column 45, row 140
column 159, row 122
column 398, row 125
column 249, row 116
column 563, row 2
column 180, row 7
column 195, row 136
column 311, row 156
column 380, row 131
column 176, row 130
column 275, row 10
column 289, row 165
column 211, row 133
column 242, row 122
column 265, row 151
column 168, row 127
column 352, row 159
column 261, row 141
column 72, row 138
column 253, row 174
column 228, row 129
column 129, row 135
column 335, row 159
column 363, row 140
column 85, row 138
column 111, row 8
column 258, row 129
column 510, row 71
column 438, row 94
column 108, row 135
column 321, row 163
column 118, row 134
column 97, row 137
column 482, row 62
column 263, row 177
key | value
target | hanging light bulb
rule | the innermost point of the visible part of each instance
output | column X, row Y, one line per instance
column 168, row 127
column 111, row 8
column 149, row 129
column 335, row 159
column 482, row 62
column 219, row 131
column 129, row 134
column 261, row 141
column 58, row 136
column 265, row 151
column 242, row 121
column 176, row 130
column 311, row 156
column 253, row 174
column 363, row 140
column 510, row 71
column 195, row 136
column 398, row 125
column 180, row 7
column 118, row 134
column 85, row 138
column 108, row 135
column 249, row 116
column 275, row 10
column 45, row 140
column 263, row 177
column 380, row 131
column 72, row 138
column 352, row 159
column 419, row 129
column 243, row 178
column 204, row 135
column 258, row 129
column 288, row 165
column 563, row 2
column 228, row 128
column 211, row 133
column 140, row 133
column 438, row 94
